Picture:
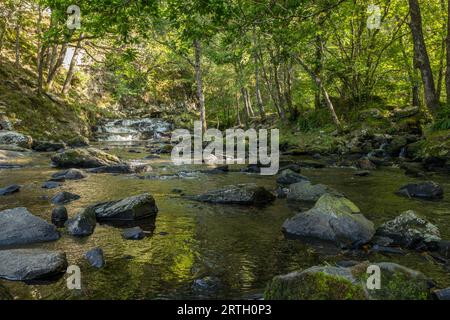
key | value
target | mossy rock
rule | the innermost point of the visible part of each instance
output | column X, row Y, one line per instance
column 84, row 158
column 78, row 142
column 316, row 283
column 5, row 294
column 397, row 282
column 339, row 283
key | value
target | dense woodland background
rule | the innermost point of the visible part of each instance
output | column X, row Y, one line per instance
column 312, row 68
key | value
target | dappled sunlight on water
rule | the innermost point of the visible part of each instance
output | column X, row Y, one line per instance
column 243, row 247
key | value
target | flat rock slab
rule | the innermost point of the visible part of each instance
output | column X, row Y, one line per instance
column 243, row 194
column 9, row 190
column 64, row 197
column 428, row 190
column 18, row 226
column 31, row 264
column 128, row 209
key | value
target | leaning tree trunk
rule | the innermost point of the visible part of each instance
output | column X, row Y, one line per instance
column 17, row 47
column 55, row 67
column 447, row 71
column 199, row 81
column 72, row 66
column 326, row 96
column 421, row 54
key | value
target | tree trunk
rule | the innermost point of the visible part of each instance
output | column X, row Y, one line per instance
column 326, row 96
column 422, row 59
column 447, row 71
column 57, row 64
column 72, row 67
column 198, row 79
column 17, row 47
column 318, row 70
column 238, row 116
column 40, row 52
column 259, row 102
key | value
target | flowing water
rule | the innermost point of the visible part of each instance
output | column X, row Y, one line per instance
column 239, row 248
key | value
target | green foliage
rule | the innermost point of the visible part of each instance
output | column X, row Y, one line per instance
column 442, row 121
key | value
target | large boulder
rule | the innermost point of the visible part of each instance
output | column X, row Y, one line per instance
column 31, row 264
column 428, row 190
column 409, row 230
column 305, row 191
column 128, row 209
column 82, row 225
column 350, row 283
column 15, row 138
column 18, row 227
column 333, row 218
column 84, row 158
column 243, row 194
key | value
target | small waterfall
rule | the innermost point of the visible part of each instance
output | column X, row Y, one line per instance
column 125, row 130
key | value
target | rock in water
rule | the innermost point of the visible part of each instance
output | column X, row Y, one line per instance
column 333, row 218
column 128, row 209
column 122, row 168
column 9, row 190
column 82, row 225
column 349, row 283
column 64, row 197
column 59, row 216
column 84, row 158
column 71, row 174
column 288, row 177
column 31, row 264
column 409, row 230
column 50, row 185
column 95, row 258
column 305, row 191
column 244, row 194
column 18, row 226
column 78, row 142
column 46, row 146
column 15, row 138
column 443, row 294
column 135, row 233
column 425, row 190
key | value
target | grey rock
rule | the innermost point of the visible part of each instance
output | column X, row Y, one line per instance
column 47, row 146
column 124, row 168
column 82, row 225
column 128, row 209
column 59, row 216
column 78, row 142
column 95, row 258
column 443, row 294
column 15, row 138
column 64, row 197
column 333, row 218
column 18, row 226
column 135, row 233
column 428, row 190
column 50, row 185
column 31, row 264
column 9, row 190
column 243, row 194
column 70, row 174
column 408, row 230
column 288, row 177
column 305, row 191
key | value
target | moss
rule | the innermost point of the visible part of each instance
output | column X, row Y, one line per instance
column 313, row 286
